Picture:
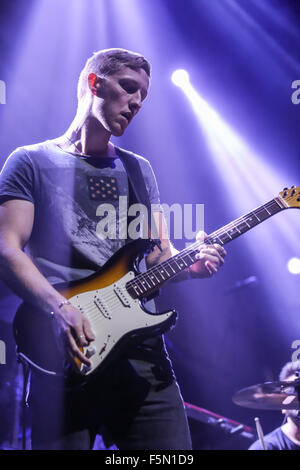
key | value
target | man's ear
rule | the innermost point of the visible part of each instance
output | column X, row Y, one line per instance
column 94, row 83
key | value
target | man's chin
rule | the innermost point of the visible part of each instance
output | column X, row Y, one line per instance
column 117, row 131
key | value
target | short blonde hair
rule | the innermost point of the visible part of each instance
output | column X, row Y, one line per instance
column 107, row 62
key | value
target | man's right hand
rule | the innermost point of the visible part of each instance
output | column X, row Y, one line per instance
column 22, row 276
column 74, row 330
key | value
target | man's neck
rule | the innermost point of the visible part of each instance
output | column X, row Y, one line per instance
column 91, row 138
column 292, row 431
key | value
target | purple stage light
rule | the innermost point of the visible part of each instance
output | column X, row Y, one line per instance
column 249, row 181
column 180, row 78
column 293, row 265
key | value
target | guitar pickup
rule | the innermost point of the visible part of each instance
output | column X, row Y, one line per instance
column 122, row 296
column 102, row 307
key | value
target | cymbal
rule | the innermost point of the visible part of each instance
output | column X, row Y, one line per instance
column 270, row 396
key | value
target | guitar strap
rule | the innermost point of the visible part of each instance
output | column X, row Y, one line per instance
column 137, row 187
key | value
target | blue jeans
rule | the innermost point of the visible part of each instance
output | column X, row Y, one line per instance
column 135, row 403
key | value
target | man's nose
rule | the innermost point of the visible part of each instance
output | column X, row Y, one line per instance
column 135, row 103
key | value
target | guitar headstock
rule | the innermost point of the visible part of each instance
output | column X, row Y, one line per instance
column 291, row 196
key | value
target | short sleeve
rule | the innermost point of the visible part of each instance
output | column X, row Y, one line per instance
column 17, row 177
column 256, row 446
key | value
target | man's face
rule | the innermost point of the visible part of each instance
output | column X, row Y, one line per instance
column 119, row 98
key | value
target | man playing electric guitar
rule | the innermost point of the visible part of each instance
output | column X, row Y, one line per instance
column 50, row 195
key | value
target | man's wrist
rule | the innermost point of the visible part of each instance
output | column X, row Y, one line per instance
column 59, row 306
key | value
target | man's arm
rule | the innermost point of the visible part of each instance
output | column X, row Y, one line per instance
column 210, row 257
column 19, row 272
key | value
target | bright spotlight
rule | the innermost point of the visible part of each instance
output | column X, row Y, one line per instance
column 293, row 266
column 180, row 78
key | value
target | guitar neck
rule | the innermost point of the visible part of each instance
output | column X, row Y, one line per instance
column 144, row 284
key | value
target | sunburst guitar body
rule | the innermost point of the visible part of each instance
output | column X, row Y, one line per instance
column 116, row 318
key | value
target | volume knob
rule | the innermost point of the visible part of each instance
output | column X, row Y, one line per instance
column 90, row 351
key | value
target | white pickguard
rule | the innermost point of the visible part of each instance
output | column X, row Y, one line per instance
column 112, row 313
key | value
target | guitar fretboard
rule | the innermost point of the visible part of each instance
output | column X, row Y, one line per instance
column 145, row 284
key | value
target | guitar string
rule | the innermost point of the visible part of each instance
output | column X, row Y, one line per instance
column 144, row 277
column 91, row 309
column 209, row 240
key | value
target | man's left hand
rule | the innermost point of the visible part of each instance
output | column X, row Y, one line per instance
column 210, row 258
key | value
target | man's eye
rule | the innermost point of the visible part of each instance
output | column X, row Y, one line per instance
column 129, row 88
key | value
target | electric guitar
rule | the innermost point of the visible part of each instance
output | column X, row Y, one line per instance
column 112, row 299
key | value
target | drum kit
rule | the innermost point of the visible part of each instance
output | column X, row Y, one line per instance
column 269, row 396
column 276, row 396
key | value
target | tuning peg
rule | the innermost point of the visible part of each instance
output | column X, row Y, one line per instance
column 285, row 189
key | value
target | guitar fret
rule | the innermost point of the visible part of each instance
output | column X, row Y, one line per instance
column 175, row 261
column 279, row 203
column 161, row 273
column 226, row 238
column 182, row 264
column 136, row 288
column 166, row 272
column 151, row 278
column 146, row 282
column 142, row 287
column 139, row 287
column 155, row 276
column 170, row 264
column 191, row 258
column 256, row 216
column 267, row 210
column 168, row 269
column 184, row 261
column 161, row 277
column 263, row 214
column 243, row 226
column 217, row 239
column 188, row 259
column 234, row 231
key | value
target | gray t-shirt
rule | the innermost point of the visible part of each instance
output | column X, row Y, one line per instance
column 68, row 192
column 276, row 440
